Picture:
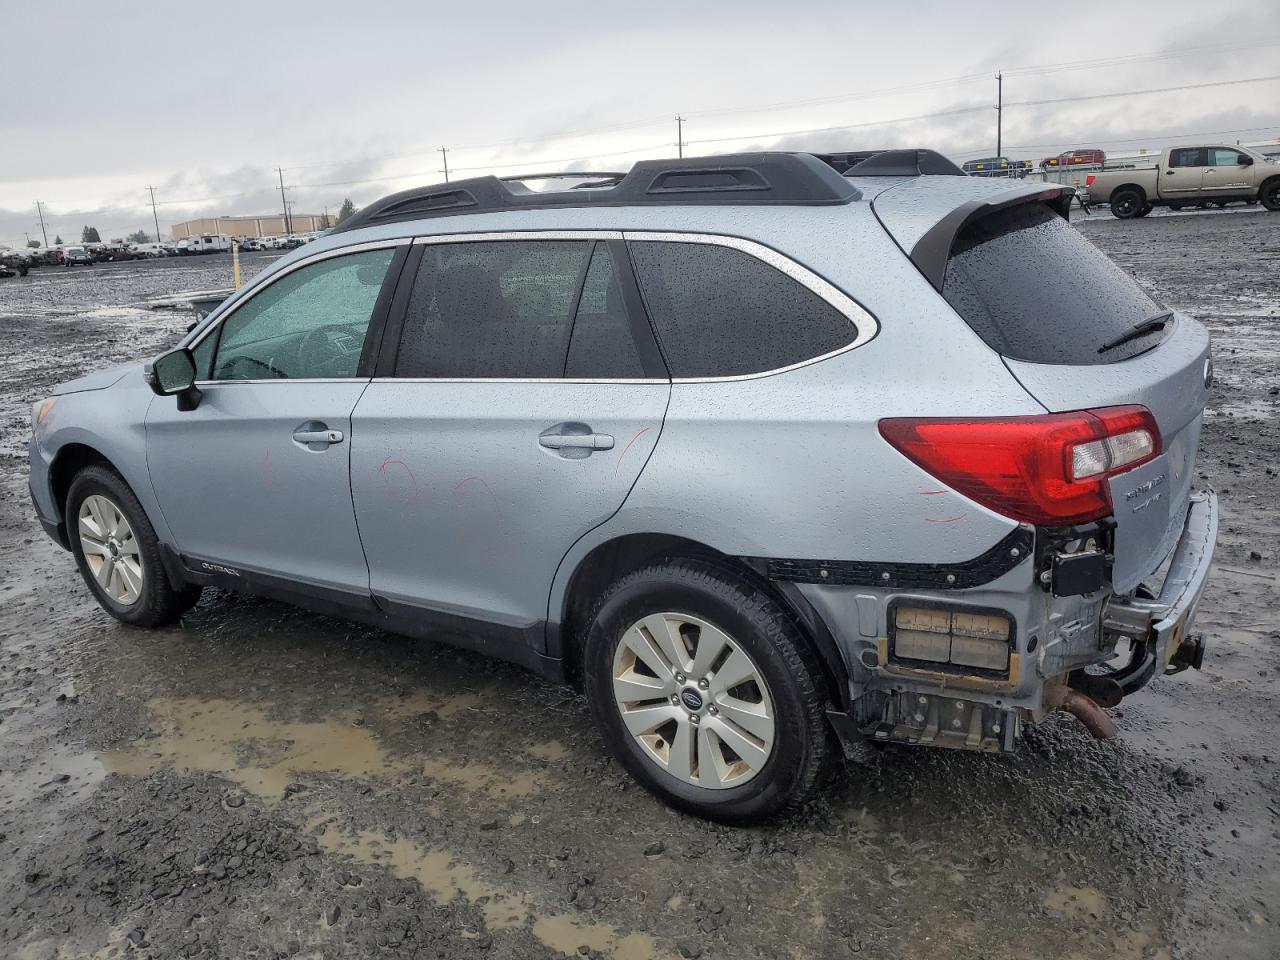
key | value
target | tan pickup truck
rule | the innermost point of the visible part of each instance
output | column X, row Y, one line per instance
column 1185, row 176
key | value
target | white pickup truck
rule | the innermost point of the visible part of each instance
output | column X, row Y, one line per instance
column 1184, row 176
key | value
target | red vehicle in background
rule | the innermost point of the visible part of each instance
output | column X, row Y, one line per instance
column 1073, row 158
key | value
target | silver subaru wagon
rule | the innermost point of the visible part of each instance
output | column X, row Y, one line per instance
column 771, row 453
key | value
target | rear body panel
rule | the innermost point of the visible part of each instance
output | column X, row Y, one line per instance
column 1170, row 381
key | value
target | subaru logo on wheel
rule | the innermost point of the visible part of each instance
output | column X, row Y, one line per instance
column 692, row 699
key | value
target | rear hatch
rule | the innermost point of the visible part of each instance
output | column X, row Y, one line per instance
column 1072, row 327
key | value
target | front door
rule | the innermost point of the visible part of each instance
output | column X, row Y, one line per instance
column 1185, row 172
column 523, row 403
column 256, row 480
column 1226, row 175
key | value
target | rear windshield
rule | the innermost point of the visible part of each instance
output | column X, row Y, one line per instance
column 1034, row 289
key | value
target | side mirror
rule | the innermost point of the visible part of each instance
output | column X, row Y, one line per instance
column 1246, row 160
column 173, row 374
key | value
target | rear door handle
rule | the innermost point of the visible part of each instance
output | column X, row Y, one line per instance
column 590, row 441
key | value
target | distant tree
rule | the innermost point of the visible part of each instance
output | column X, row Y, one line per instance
column 57, row 241
column 33, row 244
column 139, row 236
column 346, row 210
column 90, row 235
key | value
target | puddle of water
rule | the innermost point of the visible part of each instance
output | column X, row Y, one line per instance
column 421, row 701
column 553, row 751
column 482, row 778
column 445, row 875
column 567, row 934
column 1077, row 901
column 246, row 746
column 20, row 787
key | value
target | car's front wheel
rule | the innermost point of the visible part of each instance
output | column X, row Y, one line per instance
column 706, row 692
column 118, row 552
column 1270, row 194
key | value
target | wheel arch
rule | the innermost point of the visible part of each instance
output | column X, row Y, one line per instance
column 611, row 559
column 1262, row 187
column 70, row 459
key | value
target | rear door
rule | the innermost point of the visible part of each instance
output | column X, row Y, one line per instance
column 512, row 413
column 1061, row 314
column 1184, row 174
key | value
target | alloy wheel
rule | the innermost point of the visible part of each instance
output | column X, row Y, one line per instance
column 110, row 549
column 693, row 700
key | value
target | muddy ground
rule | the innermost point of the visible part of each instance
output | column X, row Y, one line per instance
column 260, row 782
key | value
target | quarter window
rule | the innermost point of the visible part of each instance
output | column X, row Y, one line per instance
column 720, row 312
column 492, row 309
column 310, row 323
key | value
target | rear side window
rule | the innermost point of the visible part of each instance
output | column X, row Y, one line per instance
column 1034, row 289
column 500, row 309
column 720, row 312
column 1188, row 157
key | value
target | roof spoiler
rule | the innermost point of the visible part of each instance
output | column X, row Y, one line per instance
column 932, row 251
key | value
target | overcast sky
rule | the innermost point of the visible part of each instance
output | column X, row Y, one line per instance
column 204, row 101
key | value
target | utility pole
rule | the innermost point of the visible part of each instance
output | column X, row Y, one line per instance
column 680, row 144
column 43, row 232
column 999, row 112
column 444, row 155
column 154, row 217
column 288, row 227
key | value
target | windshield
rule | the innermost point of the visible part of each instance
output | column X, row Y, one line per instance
column 1034, row 289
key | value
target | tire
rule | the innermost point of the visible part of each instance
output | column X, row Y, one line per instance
column 1144, row 210
column 1269, row 195
column 141, row 572
column 1126, row 202
column 786, row 687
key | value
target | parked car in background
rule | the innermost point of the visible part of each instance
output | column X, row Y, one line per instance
column 997, row 167
column 1074, row 158
column 251, row 244
column 1183, row 176
column 893, row 455
column 76, row 257
column 14, row 262
column 148, row 251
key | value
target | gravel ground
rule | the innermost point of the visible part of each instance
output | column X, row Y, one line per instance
column 260, row 782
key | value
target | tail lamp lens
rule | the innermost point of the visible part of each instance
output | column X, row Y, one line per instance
column 1046, row 470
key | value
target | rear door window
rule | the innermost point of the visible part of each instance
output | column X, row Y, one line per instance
column 1188, row 157
column 602, row 345
column 721, row 312
column 1034, row 289
column 492, row 309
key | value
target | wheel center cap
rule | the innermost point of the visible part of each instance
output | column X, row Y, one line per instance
column 114, row 548
column 691, row 698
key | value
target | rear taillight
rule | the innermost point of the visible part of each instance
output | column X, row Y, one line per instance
column 1088, row 181
column 1046, row 470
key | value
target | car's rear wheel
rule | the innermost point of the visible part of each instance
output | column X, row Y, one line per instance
column 1270, row 195
column 706, row 692
column 1126, row 202
column 118, row 552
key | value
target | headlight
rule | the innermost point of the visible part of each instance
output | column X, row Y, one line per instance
column 41, row 410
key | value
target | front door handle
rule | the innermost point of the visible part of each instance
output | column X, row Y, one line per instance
column 316, row 436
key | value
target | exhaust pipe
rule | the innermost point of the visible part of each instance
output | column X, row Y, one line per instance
column 1089, row 713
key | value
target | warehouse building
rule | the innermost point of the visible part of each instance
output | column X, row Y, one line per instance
column 252, row 226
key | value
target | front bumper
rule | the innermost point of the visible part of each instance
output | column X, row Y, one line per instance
column 1159, row 629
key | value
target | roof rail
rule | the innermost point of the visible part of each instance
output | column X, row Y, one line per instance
column 891, row 163
column 743, row 179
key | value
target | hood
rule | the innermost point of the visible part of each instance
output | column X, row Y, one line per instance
column 99, row 380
